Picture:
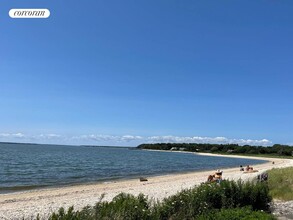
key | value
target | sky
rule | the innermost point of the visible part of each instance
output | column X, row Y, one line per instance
column 129, row 72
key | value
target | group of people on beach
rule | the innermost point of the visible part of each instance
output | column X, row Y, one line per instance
column 247, row 169
column 217, row 176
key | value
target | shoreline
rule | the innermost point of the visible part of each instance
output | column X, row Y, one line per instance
column 23, row 189
column 28, row 204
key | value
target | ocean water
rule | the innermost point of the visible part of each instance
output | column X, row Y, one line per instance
column 26, row 166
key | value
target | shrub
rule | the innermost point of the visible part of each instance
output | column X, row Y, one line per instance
column 281, row 183
column 187, row 204
column 69, row 215
column 236, row 214
column 228, row 194
column 123, row 206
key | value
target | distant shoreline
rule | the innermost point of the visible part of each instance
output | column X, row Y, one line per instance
column 79, row 145
column 216, row 155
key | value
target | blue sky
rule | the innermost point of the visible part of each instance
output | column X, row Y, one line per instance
column 129, row 72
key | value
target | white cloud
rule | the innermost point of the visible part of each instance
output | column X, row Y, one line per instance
column 212, row 140
column 100, row 137
column 48, row 136
column 126, row 139
column 94, row 137
column 4, row 135
column 12, row 135
column 130, row 138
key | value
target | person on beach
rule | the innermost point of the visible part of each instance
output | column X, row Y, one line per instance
column 217, row 177
column 241, row 168
column 210, row 178
column 248, row 168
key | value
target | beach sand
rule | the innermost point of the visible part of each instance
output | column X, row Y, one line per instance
column 44, row 201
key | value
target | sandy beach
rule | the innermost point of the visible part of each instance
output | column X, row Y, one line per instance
column 44, row 201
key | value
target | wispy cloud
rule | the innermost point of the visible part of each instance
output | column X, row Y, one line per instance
column 126, row 139
column 100, row 137
column 48, row 136
column 28, row 137
column 212, row 140
column 12, row 135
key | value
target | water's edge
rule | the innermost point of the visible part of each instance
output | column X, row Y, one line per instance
column 188, row 159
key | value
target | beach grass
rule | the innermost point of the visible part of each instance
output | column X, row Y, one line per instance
column 229, row 197
column 281, row 183
column 238, row 213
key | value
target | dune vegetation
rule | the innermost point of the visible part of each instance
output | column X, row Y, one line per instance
column 225, row 200
column 281, row 183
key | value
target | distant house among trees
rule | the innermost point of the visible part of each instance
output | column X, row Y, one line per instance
column 178, row 148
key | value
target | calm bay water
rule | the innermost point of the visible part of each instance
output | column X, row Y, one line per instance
column 25, row 166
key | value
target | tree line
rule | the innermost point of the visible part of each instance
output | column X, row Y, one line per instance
column 277, row 149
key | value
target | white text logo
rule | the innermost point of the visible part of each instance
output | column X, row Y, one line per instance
column 29, row 13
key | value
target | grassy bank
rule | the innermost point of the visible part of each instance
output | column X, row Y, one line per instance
column 227, row 200
column 281, row 183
